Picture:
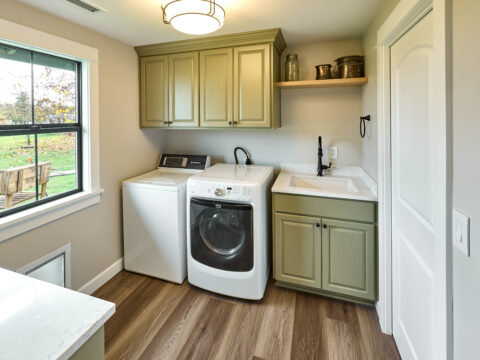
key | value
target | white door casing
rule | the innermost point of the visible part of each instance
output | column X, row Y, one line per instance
column 403, row 18
column 413, row 235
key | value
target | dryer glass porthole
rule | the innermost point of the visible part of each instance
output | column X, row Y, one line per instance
column 222, row 234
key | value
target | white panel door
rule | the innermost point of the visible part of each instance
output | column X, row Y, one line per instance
column 413, row 156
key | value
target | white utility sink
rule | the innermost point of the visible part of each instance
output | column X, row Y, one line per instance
column 341, row 182
column 324, row 184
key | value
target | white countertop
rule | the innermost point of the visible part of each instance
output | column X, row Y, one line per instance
column 40, row 321
column 253, row 175
column 363, row 187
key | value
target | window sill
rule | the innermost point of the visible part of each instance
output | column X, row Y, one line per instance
column 30, row 219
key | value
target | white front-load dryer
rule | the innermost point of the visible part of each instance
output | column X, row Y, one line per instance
column 228, row 235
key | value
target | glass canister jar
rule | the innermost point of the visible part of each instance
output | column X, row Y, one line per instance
column 292, row 70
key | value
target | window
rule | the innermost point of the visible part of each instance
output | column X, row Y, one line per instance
column 40, row 128
column 26, row 216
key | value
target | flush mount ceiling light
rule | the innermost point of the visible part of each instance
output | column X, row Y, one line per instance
column 196, row 17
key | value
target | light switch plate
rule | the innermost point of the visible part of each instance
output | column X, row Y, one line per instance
column 333, row 153
column 461, row 231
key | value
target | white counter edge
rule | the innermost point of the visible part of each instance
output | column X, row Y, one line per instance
column 88, row 334
column 52, row 323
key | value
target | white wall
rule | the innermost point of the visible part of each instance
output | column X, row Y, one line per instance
column 125, row 151
column 466, row 174
column 306, row 114
column 369, row 91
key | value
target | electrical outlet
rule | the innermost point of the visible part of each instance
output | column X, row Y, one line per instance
column 461, row 231
column 333, row 153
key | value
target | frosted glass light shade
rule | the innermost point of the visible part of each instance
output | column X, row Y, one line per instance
column 196, row 17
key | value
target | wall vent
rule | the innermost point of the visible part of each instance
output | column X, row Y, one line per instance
column 86, row 5
column 54, row 267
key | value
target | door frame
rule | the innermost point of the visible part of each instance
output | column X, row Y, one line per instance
column 403, row 18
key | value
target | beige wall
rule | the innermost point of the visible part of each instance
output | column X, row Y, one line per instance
column 306, row 114
column 369, row 91
column 466, row 174
column 95, row 233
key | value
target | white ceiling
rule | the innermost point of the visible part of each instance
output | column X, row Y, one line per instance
column 139, row 22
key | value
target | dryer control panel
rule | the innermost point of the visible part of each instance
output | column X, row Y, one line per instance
column 222, row 191
column 192, row 162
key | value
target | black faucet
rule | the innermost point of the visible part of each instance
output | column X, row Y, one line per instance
column 321, row 167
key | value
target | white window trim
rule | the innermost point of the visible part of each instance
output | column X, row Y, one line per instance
column 32, row 39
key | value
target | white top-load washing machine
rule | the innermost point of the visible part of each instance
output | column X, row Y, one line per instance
column 154, row 213
column 228, row 213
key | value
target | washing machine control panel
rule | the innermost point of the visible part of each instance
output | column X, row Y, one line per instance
column 226, row 192
column 192, row 162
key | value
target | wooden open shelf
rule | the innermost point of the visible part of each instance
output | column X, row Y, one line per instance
column 307, row 84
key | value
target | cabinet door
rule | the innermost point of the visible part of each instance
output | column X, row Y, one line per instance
column 348, row 258
column 297, row 250
column 252, row 82
column 154, row 91
column 216, row 88
column 183, row 81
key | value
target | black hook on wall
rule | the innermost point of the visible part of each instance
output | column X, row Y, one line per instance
column 362, row 125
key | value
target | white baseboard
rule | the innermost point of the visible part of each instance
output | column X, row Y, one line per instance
column 99, row 280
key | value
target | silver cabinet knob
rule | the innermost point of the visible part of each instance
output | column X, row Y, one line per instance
column 218, row 192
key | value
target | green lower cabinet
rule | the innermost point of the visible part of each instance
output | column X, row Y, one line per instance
column 348, row 258
column 298, row 250
column 332, row 257
column 93, row 348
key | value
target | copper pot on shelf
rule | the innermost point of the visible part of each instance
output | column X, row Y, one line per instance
column 323, row 72
column 352, row 66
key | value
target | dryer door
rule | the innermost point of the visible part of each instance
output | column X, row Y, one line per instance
column 222, row 234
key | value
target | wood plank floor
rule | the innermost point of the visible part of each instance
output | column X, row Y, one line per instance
column 159, row 320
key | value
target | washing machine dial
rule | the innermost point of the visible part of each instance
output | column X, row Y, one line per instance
column 218, row 192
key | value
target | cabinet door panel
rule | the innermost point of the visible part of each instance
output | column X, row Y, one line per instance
column 297, row 250
column 348, row 258
column 183, row 80
column 216, row 88
column 154, row 91
column 252, row 86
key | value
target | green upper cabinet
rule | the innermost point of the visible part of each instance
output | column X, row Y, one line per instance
column 251, row 86
column 154, row 91
column 298, row 250
column 214, row 82
column 183, row 90
column 348, row 261
column 216, row 88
